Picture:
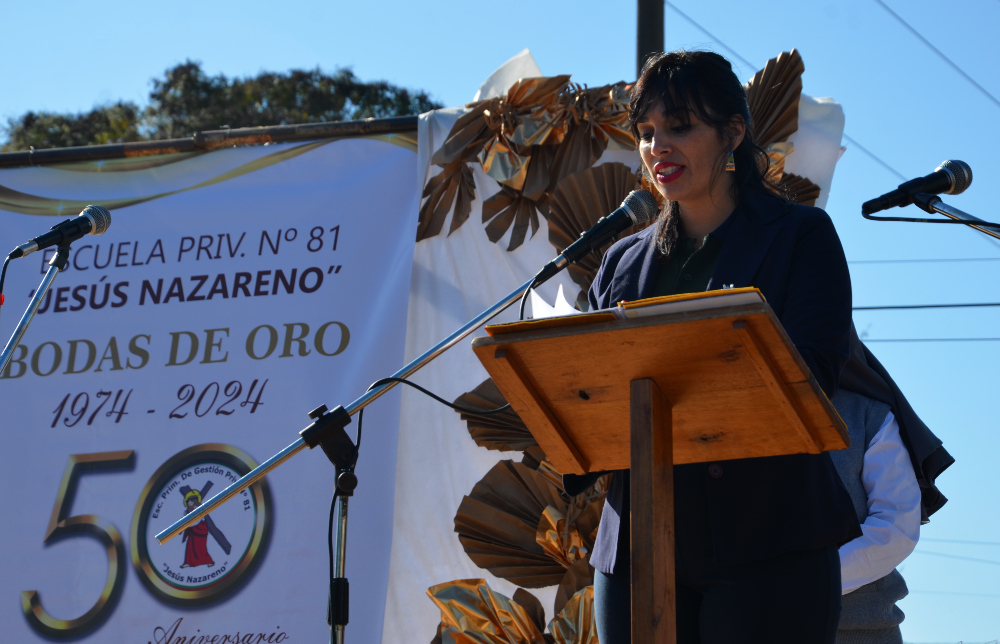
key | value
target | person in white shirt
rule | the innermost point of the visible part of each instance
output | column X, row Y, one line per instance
column 879, row 476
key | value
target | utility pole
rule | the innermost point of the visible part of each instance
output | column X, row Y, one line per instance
column 649, row 34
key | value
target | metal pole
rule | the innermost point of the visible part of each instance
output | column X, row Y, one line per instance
column 340, row 557
column 649, row 32
column 56, row 264
column 954, row 213
column 261, row 470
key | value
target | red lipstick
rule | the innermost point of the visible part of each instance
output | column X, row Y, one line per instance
column 671, row 171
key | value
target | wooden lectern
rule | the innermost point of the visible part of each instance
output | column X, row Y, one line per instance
column 701, row 386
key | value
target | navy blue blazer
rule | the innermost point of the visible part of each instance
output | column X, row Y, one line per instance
column 753, row 508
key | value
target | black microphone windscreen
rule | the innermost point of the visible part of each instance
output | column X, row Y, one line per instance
column 100, row 218
column 641, row 205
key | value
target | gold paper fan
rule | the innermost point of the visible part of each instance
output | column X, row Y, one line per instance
column 473, row 613
column 454, row 186
column 504, row 431
column 800, row 190
column 530, row 604
column 500, row 522
column 576, row 579
column 510, row 207
column 574, row 623
column 773, row 97
column 579, row 201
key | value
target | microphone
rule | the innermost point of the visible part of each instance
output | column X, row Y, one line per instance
column 951, row 177
column 94, row 220
column 639, row 207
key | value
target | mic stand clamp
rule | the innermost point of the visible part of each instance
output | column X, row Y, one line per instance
column 59, row 262
column 327, row 431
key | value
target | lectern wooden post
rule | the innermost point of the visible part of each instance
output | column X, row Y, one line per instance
column 652, row 514
column 699, row 386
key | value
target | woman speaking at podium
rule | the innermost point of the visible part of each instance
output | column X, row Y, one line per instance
column 756, row 539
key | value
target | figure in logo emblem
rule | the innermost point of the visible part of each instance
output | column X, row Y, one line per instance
column 196, row 552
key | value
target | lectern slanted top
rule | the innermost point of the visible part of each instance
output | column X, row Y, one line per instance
column 737, row 387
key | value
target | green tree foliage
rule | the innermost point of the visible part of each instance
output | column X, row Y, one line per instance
column 109, row 124
column 187, row 100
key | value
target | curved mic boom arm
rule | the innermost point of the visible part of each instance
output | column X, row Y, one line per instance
column 327, row 429
column 369, row 397
column 933, row 204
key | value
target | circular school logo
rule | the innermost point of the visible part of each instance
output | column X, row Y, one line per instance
column 210, row 559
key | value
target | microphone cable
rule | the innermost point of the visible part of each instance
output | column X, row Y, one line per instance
column 357, row 451
column 3, row 277
column 458, row 408
column 921, row 220
column 524, row 298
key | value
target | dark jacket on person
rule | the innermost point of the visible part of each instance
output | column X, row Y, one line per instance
column 753, row 508
column 865, row 375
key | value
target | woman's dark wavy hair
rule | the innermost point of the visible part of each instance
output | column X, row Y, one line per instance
column 700, row 83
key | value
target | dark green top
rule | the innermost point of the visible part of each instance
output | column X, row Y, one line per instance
column 689, row 270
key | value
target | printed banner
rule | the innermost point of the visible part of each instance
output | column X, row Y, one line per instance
column 234, row 292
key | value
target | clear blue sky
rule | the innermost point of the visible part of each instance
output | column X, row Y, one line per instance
column 901, row 100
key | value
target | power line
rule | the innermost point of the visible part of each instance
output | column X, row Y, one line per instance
column 949, row 592
column 751, row 66
column 924, row 306
column 942, row 554
column 866, row 340
column 920, row 261
column 875, row 157
column 937, row 51
column 710, row 35
column 962, row 541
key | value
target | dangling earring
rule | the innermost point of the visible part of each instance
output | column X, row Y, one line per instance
column 731, row 162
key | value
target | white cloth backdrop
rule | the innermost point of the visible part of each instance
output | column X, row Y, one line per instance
column 454, row 278
column 368, row 189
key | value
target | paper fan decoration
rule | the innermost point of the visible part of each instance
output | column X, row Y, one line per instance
column 520, row 527
column 532, row 607
column 504, row 431
column 474, row 613
column 540, row 131
column 576, row 579
column 511, row 208
column 578, row 202
column 773, row 97
column 453, row 186
column 799, row 189
column 574, row 623
column 498, row 520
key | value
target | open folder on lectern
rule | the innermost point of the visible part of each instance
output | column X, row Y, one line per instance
column 666, row 304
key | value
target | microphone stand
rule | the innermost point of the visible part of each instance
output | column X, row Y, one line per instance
column 339, row 588
column 324, row 430
column 327, row 431
column 933, row 204
column 327, row 428
column 58, row 263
